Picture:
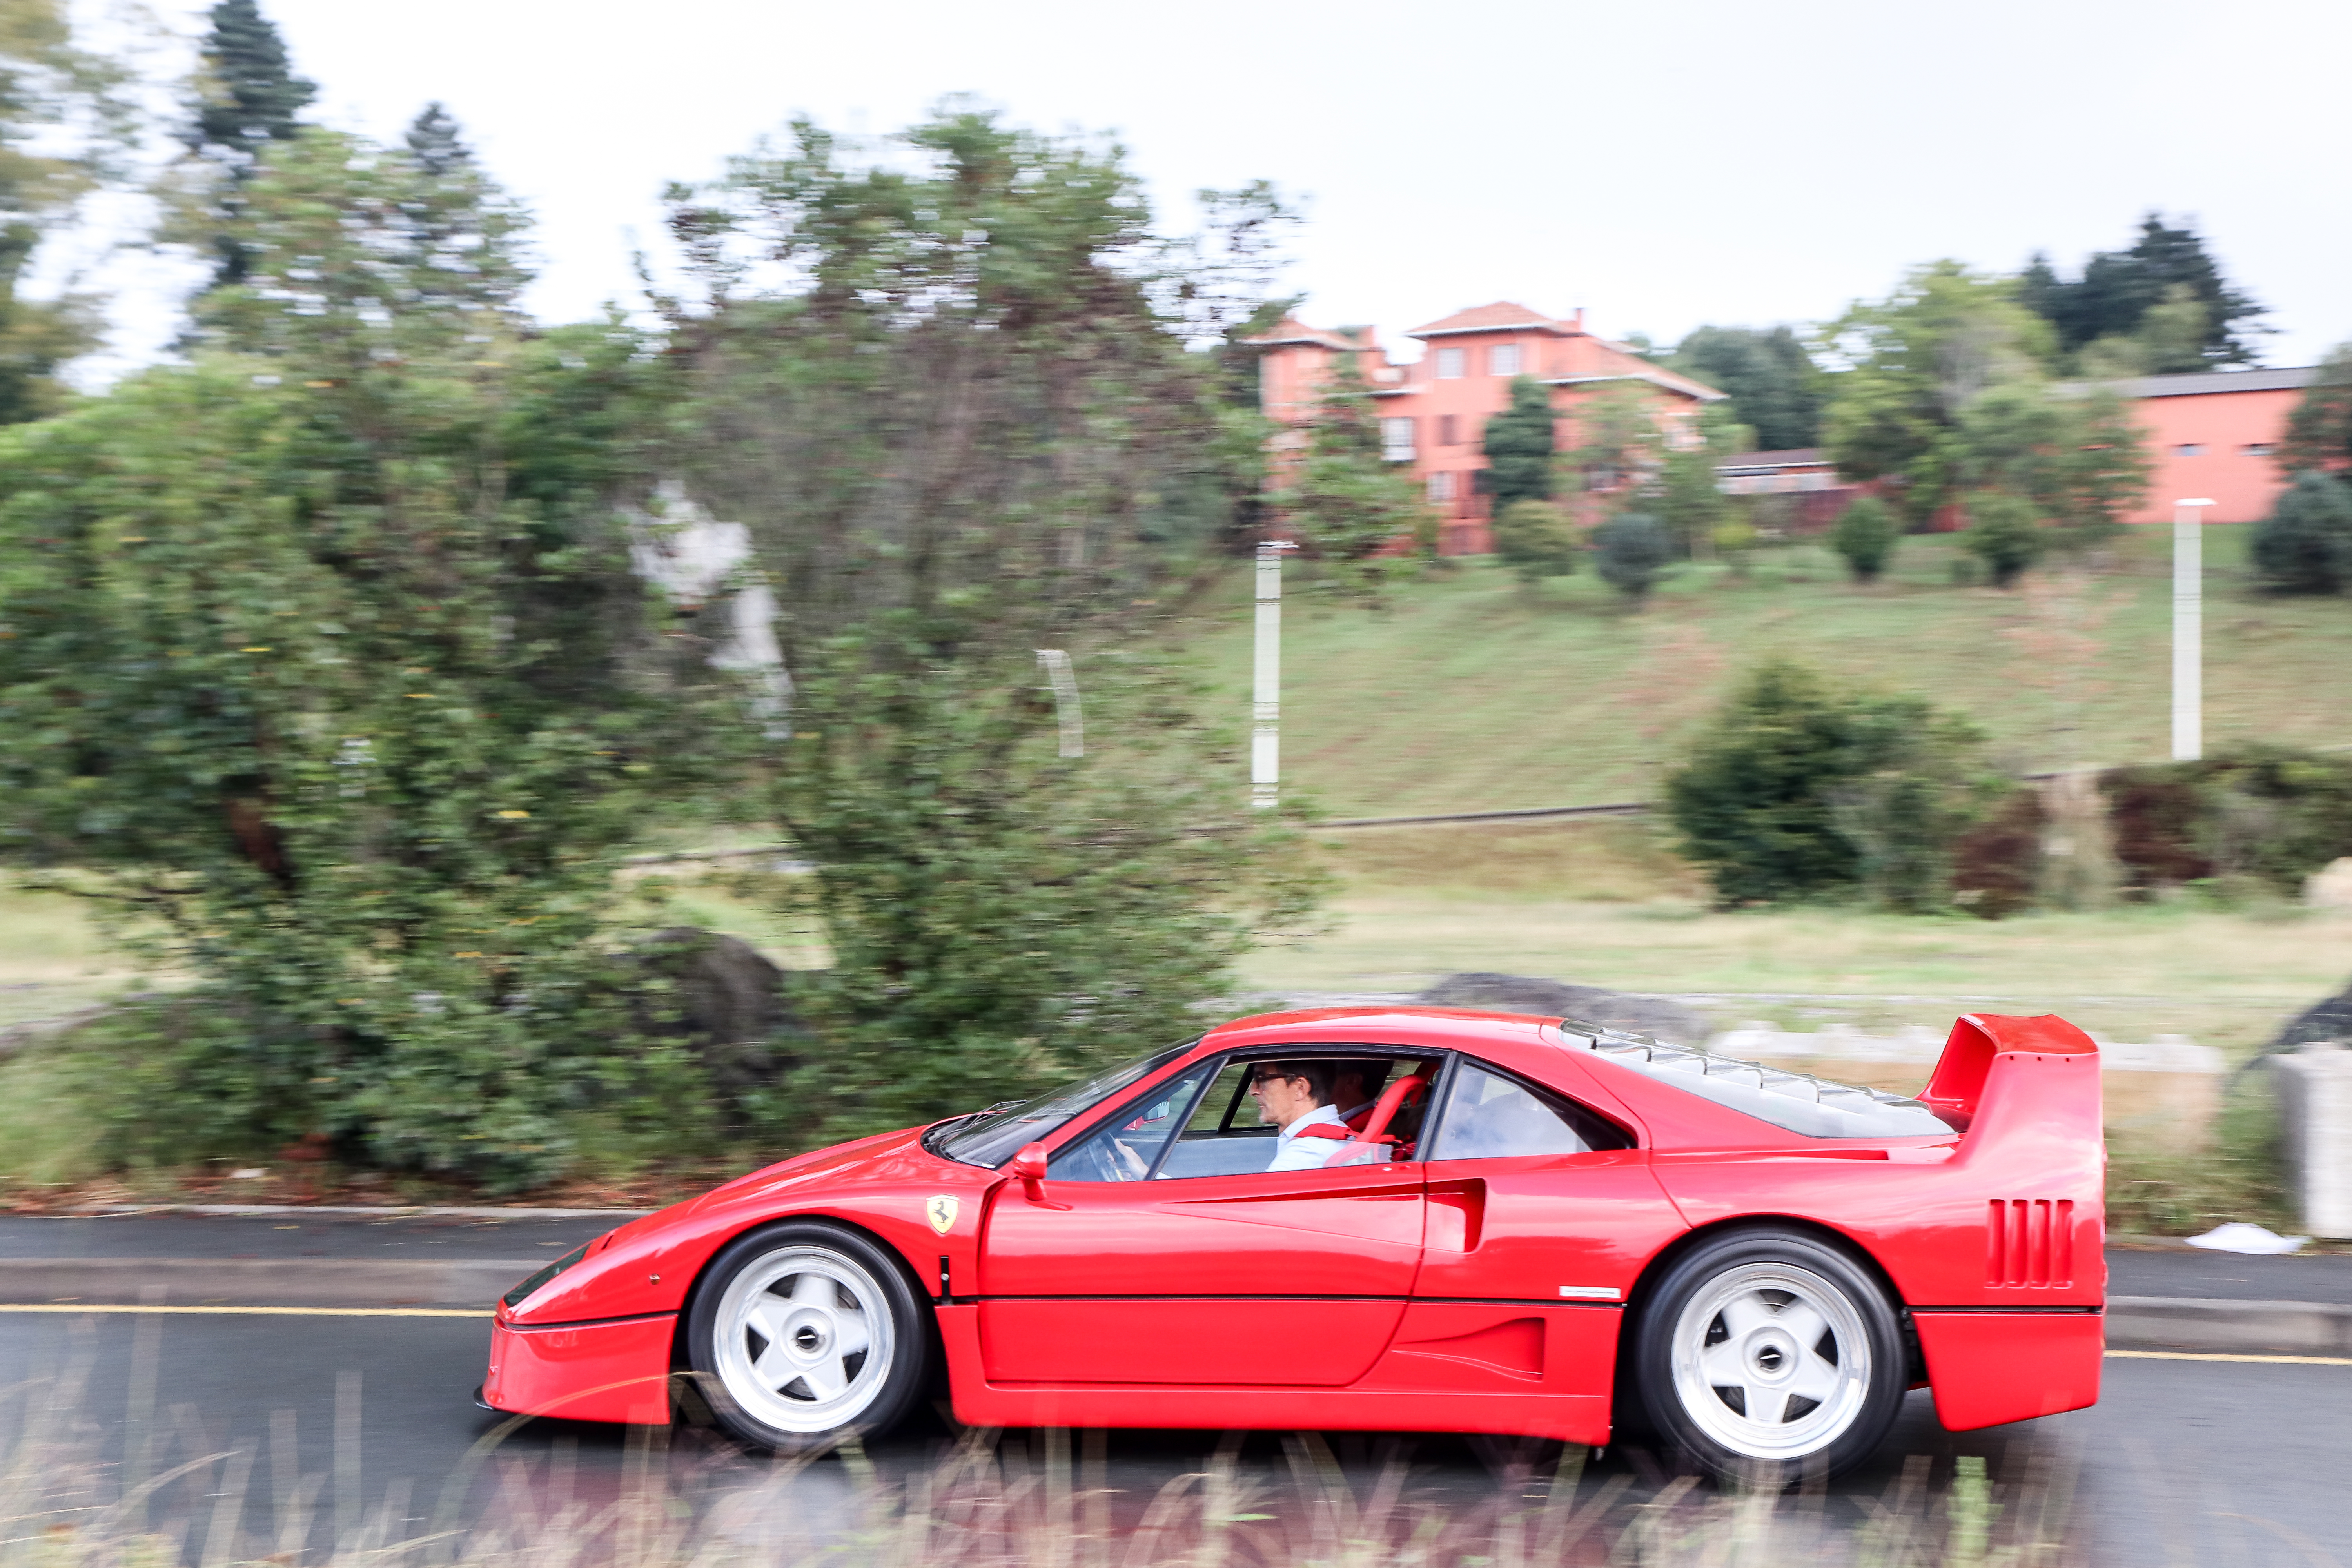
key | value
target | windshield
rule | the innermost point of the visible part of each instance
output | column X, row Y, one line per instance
column 995, row 1137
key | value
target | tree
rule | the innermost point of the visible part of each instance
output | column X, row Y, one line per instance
column 2005, row 532
column 63, row 122
column 2165, row 293
column 1519, row 445
column 2075, row 454
column 328, row 665
column 1798, row 787
column 952, row 435
column 1536, row 540
column 1918, row 358
column 1348, row 505
column 1865, row 535
column 1775, row 388
column 436, row 143
column 1630, row 549
column 2319, row 432
column 248, row 98
column 2304, row 546
column 1003, row 914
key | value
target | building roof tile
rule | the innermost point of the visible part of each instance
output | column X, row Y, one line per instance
column 1499, row 316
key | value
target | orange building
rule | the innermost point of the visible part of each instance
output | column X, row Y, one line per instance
column 1434, row 411
column 2215, row 435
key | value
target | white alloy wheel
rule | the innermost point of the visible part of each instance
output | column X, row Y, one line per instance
column 804, row 1339
column 1771, row 1361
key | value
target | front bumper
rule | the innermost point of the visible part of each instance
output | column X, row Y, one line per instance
column 617, row 1370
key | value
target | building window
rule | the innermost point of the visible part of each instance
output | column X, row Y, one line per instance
column 1503, row 359
column 1445, row 431
column 2190, row 449
column 1449, row 364
column 1396, row 438
column 2258, row 448
column 1440, row 486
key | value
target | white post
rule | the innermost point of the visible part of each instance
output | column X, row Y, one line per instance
column 2188, row 630
column 1265, row 706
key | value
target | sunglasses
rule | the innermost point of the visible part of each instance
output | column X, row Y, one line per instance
column 1261, row 1077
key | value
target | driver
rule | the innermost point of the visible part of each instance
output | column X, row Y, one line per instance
column 1295, row 1096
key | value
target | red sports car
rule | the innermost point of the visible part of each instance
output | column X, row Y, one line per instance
column 1384, row 1218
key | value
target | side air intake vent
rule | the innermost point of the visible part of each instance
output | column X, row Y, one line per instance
column 2029, row 1241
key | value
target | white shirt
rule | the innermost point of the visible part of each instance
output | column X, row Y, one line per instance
column 1292, row 1152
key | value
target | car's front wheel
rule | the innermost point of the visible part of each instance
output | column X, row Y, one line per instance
column 1766, row 1356
column 803, row 1333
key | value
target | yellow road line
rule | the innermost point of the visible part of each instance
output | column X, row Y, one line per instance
column 255, row 1312
column 2193, row 1355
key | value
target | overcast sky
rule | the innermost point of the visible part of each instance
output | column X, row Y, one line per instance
column 1660, row 164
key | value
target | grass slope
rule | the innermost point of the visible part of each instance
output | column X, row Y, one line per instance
column 1468, row 691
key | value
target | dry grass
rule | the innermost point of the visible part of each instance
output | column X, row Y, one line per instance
column 1601, row 903
column 53, row 957
column 179, row 1495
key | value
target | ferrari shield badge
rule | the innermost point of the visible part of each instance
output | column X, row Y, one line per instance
column 941, row 1212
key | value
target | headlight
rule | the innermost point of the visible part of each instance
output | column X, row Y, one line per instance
column 520, row 1293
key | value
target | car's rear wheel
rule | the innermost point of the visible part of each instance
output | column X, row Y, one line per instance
column 1767, row 1356
column 803, row 1334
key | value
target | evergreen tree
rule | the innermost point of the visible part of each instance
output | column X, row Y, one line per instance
column 2319, row 433
column 2005, row 533
column 435, row 144
column 1798, row 787
column 247, row 99
column 1346, row 504
column 251, row 92
column 1536, row 540
column 1519, row 445
column 2305, row 546
column 1865, row 536
column 1774, row 386
column 1631, row 550
column 2118, row 290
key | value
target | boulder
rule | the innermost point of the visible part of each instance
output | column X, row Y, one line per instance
column 1653, row 1016
column 2329, row 1018
column 728, row 1002
column 2330, row 887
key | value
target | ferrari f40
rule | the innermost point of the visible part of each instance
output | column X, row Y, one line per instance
column 1407, row 1219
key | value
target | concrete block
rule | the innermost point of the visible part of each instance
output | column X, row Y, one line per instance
column 2314, row 1101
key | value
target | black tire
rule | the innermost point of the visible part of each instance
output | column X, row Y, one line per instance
column 1768, row 1356
column 803, row 1334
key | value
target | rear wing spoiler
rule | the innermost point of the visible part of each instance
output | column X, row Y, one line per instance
column 2001, row 1077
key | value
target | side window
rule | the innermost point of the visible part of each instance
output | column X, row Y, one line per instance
column 1490, row 1117
column 1123, row 1149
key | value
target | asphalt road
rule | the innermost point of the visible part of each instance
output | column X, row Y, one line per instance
column 2184, row 1462
column 291, row 1236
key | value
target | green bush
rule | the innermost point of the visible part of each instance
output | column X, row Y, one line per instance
column 2304, row 546
column 1536, row 540
column 1798, row 788
column 2269, row 813
column 1633, row 548
column 1865, row 535
column 2005, row 533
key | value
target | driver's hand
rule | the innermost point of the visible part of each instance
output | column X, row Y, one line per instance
column 1131, row 1165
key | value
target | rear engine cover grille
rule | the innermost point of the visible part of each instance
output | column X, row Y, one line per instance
column 2030, row 1242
